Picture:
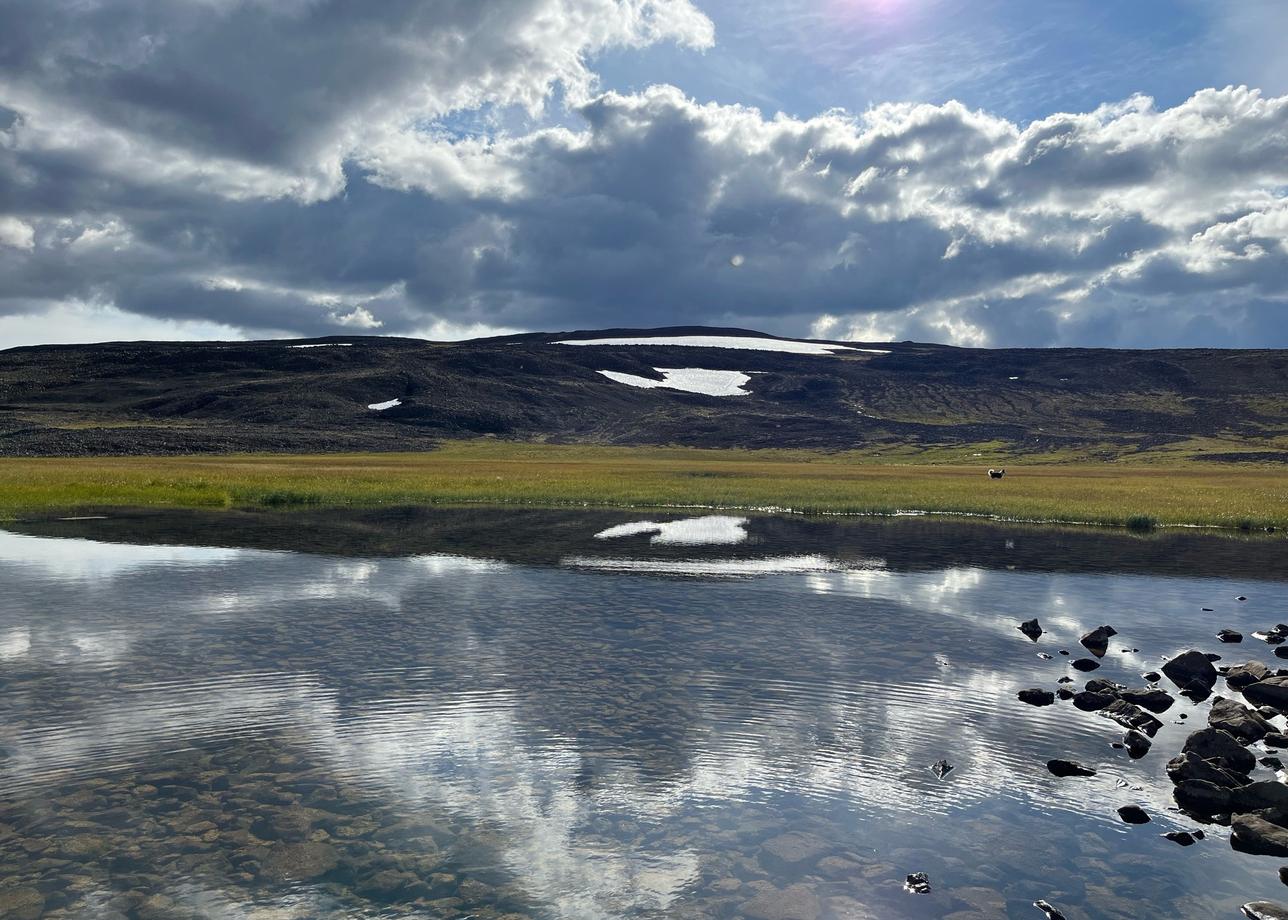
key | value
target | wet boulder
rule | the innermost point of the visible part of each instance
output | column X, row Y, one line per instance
column 1097, row 641
column 1272, row 691
column 1189, row 669
column 1137, row 744
column 1092, row 702
column 1085, row 664
column 1200, row 798
column 1133, row 814
column 1151, row 698
column 1051, row 912
column 1031, row 628
column 1184, row 838
column 1238, row 720
column 1260, row 795
column 1035, row 696
column 1129, row 715
column 1229, row 635
column 1242, row 675
column 1190, row 765
column 1275, row 740
column 1215, row 744
column 1260, row 833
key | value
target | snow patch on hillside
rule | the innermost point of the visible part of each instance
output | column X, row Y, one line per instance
column 747, row 343
column 382, row 406
column 323, row 345
column 688, row 380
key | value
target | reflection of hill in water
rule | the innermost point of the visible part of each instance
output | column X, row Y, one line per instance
column 552, row 537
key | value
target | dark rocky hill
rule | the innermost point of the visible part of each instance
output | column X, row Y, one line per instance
column 150, row 397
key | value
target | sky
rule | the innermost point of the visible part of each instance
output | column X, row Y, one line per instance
column 973, row 172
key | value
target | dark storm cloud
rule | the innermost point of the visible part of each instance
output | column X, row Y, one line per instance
column 284, row 167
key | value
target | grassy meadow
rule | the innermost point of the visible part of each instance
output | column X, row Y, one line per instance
column 1137, row 495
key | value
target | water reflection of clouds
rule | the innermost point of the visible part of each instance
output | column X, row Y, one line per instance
column 709, row 530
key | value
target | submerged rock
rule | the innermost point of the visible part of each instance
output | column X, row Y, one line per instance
column 1036, row 696
column 1189, row 669
column 1184, row 838
column 1133, row 814
column 1031, row 628
column 1137, row 744
column 1069, row 768
column 21, row 903
column 917, row 883
column 795, row 902
column 1264, row 910
column 791, row 850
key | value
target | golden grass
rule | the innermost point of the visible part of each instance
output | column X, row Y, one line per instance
column 498, row 472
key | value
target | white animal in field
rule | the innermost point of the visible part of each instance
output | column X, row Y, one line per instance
column 996, row 474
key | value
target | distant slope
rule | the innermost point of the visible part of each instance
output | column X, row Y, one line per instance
column 149, row 397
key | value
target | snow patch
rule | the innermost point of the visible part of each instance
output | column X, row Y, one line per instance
column 714, row 529
column 747, row 343
column 689, row 380
column 382, row 406
column 323, row 345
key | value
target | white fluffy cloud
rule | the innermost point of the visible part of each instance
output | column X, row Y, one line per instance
column 315, row 167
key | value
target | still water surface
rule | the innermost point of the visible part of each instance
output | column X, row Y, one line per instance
column 555, row 715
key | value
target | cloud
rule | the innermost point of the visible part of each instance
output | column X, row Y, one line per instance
column 314, row 168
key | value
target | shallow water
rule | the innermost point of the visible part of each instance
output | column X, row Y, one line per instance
column 438, row 713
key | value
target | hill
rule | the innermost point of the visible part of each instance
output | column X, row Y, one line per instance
column 361, row 393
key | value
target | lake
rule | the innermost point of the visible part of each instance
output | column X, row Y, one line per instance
column 563, row 714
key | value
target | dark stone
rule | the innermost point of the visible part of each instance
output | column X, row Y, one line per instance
column 1238, row 720
column 1091, row 702
column 1035, row 696
column 1272, row 691
column 1275, row 740
column 1184, row 838
column 1152, row 676
column 1229, row 635
column 1215, row 744
column 1192, row 667
column 1129, row 715
column 1259, row 833
column 1097, row 641
column 1031, row 628
column 1133, row 814
column 1065, row 680
column 1104, row 685
column 1190, row 765
column 1242, row 675
column 1200, row 798
column 1258, row 796
column 1086, row 664
column 917, row 883
column 1069, row 768
column 1137, row 745
column 1196, row 693
column 1153, row 699
column 1283, row 874
column 1271, row 763
column 1282, row 651
column 1065, row 693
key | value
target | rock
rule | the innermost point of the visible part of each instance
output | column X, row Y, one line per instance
column 917, row 883
column 1256, row 834
column 1151, row 698
column 1190, row 765
column 1275, row 740
column 1271, row 691
column 1065, row 693
column 1260, row 795
column 1272, row 763
column 1152, row 676
column 1229, row 635
column 1137, row 744
column 1189, row 668
column 1133, row 814
column 1264, row 910
column 1035, row 696
column 1270, row 637
column 1282, row 651
column 1069, row 768
column 1051, row 912
column 1184, row 838
column 1202, row 798
column 1215, row 744
column 1092, row 702
column 1103, row 685
column 21, row 903
column 300, row 860
column 795, row 902
column 941, row 768
column 1097, row 641
column 1240, row 598
column 1129, row 715
column 1031, row 628
column 1238, row 720
column 1086, row 664
column 792, row 850
column 1241, row 675
column 1283, row 874
column 1064, row 680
